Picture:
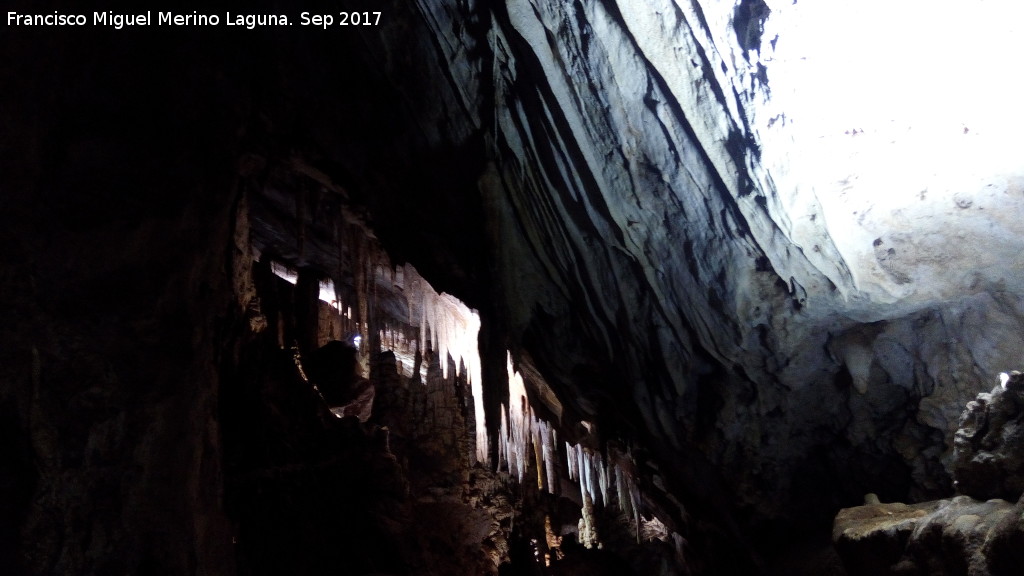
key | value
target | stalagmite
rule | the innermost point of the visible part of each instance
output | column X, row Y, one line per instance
column 587, row 527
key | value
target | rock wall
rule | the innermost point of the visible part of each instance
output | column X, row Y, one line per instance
column 976, row 533
column 645, row 257
column 116, row 229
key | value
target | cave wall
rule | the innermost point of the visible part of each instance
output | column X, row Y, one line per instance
column 649, row 255
column 116, row 231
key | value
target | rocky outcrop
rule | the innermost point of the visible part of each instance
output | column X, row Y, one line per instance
column 989, row 445
column 871, row 538
column 980, row 533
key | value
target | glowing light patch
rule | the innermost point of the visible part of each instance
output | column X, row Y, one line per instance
column 404, row 350
column 326, row 294
column 902, row 70
column 284, row 272
column 899, row 119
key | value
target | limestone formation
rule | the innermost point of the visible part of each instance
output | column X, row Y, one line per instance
column 989, row 445
column 979, row 533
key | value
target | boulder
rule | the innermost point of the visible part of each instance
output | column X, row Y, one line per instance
column 871, row 538
column 956, row 537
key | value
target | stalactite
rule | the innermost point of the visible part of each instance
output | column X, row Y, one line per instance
column 538, row 450
column 585, row 473
column 548, row 450
column 519, row 421
column 503, row 444
column 574, row 469
column 599, row 476
column 441, row 323
column 378, row 319
column 602, row 478
column 361, row 268
column 625, row 502
column 444, row 324
column 447, row 326
column 339, row 272
column 452, row 329
column 628, row 492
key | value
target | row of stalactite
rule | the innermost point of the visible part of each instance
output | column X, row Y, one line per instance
column 450, row 329
column 523, row 436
